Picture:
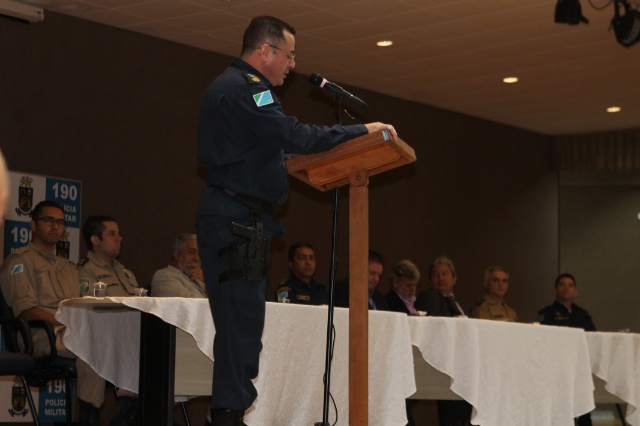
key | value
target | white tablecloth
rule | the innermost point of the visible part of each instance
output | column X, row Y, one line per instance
column 290, row 387
column 615, row 358
column 513, row 374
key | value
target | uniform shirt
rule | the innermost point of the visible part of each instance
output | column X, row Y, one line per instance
column 493, row 310
column 172, row 282
column 243, row 135
column 558, row 314
column 120, row 281
column 31, row 278
column 297, row 291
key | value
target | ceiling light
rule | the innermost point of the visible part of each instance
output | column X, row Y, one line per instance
column 627, row 26
column 569, row 12
column 384, row 43
column 510, row 80
column 614, row 109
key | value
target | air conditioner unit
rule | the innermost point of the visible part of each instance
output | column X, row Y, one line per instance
column 21, row 11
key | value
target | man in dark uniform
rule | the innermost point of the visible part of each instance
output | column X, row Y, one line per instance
column 242, row 137
column 300, row 287
column 565, row 313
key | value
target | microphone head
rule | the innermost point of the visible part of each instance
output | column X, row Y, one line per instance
column 316, row 79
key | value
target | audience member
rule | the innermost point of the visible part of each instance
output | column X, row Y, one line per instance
column 493, row 306
column 563, row 312
column 103, row 239
column 404, row 278
column 183, row 277
column 300, row 287
column 34, row 280
column 377, row 300
column 439, row 301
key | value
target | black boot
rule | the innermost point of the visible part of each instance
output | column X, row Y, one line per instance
column 222, row 417
column 88, row 414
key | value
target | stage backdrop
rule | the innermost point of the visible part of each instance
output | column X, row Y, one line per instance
column 27, row 190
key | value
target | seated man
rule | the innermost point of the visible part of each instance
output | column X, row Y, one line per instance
column 377, row 300
column 493, row 307
column 183, row 277
column 300, row 287
column 439, row 300
column 34, row 281
column 404, row 280
column 102, row 236
column 563, row 312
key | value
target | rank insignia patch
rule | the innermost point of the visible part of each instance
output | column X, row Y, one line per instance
column 16, row 269
column 253, row 78
column 263, row 98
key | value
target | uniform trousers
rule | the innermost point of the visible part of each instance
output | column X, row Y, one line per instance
column 238, row 309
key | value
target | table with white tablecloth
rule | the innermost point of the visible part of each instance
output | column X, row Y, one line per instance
column 515, row 374
column 512, row 374
column 615, row 359
column 290, row 383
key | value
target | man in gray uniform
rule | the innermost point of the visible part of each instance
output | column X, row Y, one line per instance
column 183, row 277
column 34, row 280
column 102, row 236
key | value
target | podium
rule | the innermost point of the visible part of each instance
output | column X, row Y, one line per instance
column 352, row 163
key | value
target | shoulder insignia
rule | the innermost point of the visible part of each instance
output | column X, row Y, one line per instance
column 253, row 78
column 21, row 250
column 283, row 289
column 16, row 269
column 83, row 261
column 263, row 98
column 128, row 273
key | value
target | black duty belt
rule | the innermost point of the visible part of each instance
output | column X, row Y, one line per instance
column 262, row 205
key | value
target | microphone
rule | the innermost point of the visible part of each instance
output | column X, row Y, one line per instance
column 317, row 80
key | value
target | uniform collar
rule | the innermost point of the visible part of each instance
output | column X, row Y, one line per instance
column 98, row 261
column 49, row 256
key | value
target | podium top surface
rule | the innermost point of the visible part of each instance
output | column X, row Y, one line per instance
column 371, row 154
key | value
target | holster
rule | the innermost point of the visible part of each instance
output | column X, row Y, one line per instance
column 249, row 257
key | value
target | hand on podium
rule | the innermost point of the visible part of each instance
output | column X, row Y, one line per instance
column 374, row 127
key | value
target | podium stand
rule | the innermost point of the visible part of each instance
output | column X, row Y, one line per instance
column 352, row 163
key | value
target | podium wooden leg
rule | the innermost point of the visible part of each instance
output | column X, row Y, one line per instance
column 358, row 305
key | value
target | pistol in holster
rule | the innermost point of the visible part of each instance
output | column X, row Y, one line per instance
column 249, row 257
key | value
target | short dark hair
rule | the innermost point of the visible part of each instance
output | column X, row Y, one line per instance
column 565, row 275
column 37, row 210
column 94, row 225
column 374, row 256
column 264, row 29
column 296, row 246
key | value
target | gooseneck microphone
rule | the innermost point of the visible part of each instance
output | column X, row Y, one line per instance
column 317, row 80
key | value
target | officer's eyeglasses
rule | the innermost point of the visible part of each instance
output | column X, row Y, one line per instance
column 51, row 220
column 291, row 56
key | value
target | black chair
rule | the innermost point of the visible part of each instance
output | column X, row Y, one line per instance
column 19, row 364
column 46, row 367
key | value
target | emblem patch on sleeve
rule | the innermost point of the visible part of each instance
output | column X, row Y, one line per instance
column 16, row 269
column 263, row 98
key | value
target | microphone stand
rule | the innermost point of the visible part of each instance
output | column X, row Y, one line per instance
column 332, row 277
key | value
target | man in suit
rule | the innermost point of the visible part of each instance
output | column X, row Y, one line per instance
column 439, row 301
column 377, row 300
column 183, row 277
column 404, row 280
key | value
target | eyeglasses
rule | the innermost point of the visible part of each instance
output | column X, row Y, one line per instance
column 51, row 220
column 291, row 56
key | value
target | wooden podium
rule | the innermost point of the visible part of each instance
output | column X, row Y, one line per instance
column 352, row 163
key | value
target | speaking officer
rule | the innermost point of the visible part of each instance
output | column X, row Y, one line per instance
column 242, row 136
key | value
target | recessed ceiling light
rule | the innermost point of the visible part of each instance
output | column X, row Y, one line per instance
column 384, row 43
column 510, row 80
column 614, row 109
